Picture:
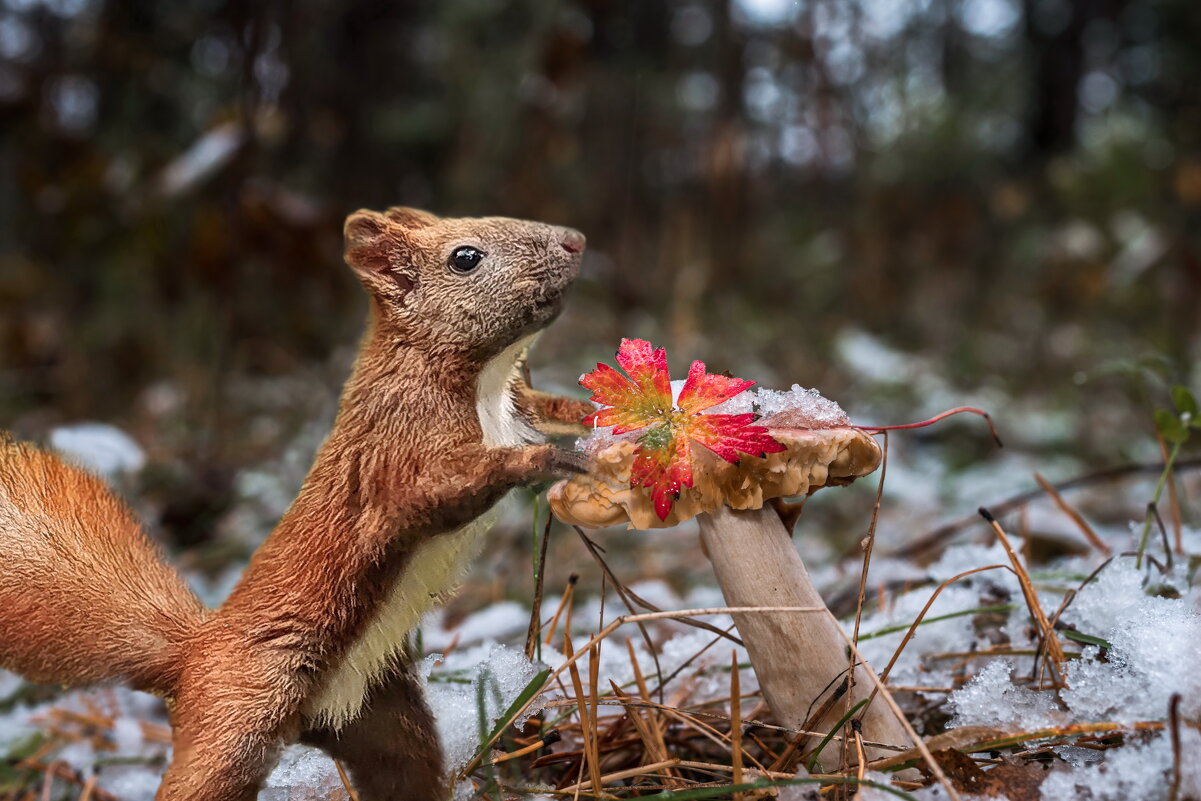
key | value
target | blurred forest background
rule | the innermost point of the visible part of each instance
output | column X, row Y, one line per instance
column 906, row 203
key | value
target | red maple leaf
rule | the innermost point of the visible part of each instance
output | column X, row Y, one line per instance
column 641, row 399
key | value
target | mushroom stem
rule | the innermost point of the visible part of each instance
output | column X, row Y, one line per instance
column 798, row 658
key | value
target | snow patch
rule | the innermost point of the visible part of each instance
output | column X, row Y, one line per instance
column 470, row 690
column 100, row 448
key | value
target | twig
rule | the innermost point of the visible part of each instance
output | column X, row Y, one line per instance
column 714, row 767
column 665, row 680
column 625, row 591
column 690, row 717
column 946, row 530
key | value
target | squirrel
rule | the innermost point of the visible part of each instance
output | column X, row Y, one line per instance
column 435, row 424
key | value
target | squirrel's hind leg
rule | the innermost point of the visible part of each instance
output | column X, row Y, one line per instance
column 391, row 749
column 237, row 707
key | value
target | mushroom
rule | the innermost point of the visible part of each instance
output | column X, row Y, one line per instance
column 799, row 659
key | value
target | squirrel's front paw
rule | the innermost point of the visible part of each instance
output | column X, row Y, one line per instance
column 555, row 462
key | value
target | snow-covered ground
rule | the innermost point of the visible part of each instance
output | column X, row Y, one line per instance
column 1154, row 642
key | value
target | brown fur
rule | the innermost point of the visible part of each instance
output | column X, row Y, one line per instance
column 74, row 564
column 407, row 461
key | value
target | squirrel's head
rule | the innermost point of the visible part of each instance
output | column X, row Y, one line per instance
column 472, row 285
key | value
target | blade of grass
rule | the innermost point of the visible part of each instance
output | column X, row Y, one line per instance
column 861, row 764
column 1173, row 498
column 587, row 731
column 533, row 637
column 594, row 764
column 761, row 784
column 351, row 794
column 979, row 610
column 623, row 620
column 629, row 773
column 1174, row 730
column 548, row 740
column 1088, row 639
column 917, row 622
column 628, row 598
column 512, row 713
column 1050, row 641
column 817, row 752
column 736, row 723
column 563, row 604
column 645, row 733
column 868, row 544
column 652, row 717
column 1159, row 485
column 935, row 768
column 1077, row 518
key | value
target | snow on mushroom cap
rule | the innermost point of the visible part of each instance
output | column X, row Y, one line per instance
column 821, row 449
column 797, row 407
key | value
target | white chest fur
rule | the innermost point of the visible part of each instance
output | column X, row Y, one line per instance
column 436, row 569
column 502, row 424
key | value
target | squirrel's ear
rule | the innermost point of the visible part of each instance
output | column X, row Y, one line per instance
column 379, row 253
column 406, row 217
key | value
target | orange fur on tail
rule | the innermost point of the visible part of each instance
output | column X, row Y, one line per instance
column 84, row 595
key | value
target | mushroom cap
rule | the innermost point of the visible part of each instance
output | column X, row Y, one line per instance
column 814, row 458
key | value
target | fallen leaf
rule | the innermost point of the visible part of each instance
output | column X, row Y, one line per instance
column 641, row 399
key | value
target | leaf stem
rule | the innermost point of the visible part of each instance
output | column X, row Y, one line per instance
column 958, row 410
column 1159, row 486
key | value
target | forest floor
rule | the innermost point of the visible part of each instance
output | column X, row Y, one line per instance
column 1065, row 670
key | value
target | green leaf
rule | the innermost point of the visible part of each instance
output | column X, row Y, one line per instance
column 1185, row 401
column 12, row 778
column 1171, row 426
column 1087, row 639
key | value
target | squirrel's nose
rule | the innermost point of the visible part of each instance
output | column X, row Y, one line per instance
column 573, row 241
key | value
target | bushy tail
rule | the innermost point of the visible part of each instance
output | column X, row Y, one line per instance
column 84, row 595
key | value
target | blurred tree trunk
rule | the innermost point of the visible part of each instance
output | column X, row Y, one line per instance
column 1059, row 63
column 1055, row 35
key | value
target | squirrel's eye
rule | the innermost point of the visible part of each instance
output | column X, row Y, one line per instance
column 465, row 259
